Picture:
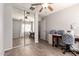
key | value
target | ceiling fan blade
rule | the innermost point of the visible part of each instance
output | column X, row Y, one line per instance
column 50, row 3
column 32, row 8
column 35, row 4
column 41, row 9
column 50, row 8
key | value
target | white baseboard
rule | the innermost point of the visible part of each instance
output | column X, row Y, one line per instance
column 36, row 42
column 18, row 46
column 12, row 48
column 7, row 49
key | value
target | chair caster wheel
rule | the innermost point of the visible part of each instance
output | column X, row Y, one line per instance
column 63, row 52
column 62, row 48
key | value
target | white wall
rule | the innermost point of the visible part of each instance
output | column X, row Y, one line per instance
column 7, row 27
column 1, row 29
column 63, row 19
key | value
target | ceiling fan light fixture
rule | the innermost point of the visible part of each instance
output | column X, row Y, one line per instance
column 28, row 12
column 26, row 17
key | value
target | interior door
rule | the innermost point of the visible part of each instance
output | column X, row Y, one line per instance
column 43, row 29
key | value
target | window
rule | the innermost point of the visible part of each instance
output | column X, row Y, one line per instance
column 27, row 27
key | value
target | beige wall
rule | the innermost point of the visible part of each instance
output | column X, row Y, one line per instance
column 1, row 29
column 7, row 27
column 63, row 19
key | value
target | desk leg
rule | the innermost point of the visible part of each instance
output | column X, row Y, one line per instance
column 53, row 43
column 57, row 42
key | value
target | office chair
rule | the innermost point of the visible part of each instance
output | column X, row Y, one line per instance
column 68, row 40
column 60, row 32
column 52, row 31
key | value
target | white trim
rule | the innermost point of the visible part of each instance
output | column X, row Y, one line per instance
column 18, row 46
column 36, row 41
column 13, row 48
column 7, row 49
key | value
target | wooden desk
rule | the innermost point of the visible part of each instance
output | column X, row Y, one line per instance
column 55, row 39
column 77, row 40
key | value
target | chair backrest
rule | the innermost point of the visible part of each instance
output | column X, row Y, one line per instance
column 68, row 39
column 52, row 31
column 61, row 32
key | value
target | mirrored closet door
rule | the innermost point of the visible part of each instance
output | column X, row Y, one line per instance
column 23, row 27
column 18, row 31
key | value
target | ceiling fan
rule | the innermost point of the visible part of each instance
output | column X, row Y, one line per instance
column 43, row 6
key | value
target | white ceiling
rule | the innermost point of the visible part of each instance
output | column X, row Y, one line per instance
column 56, row 7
